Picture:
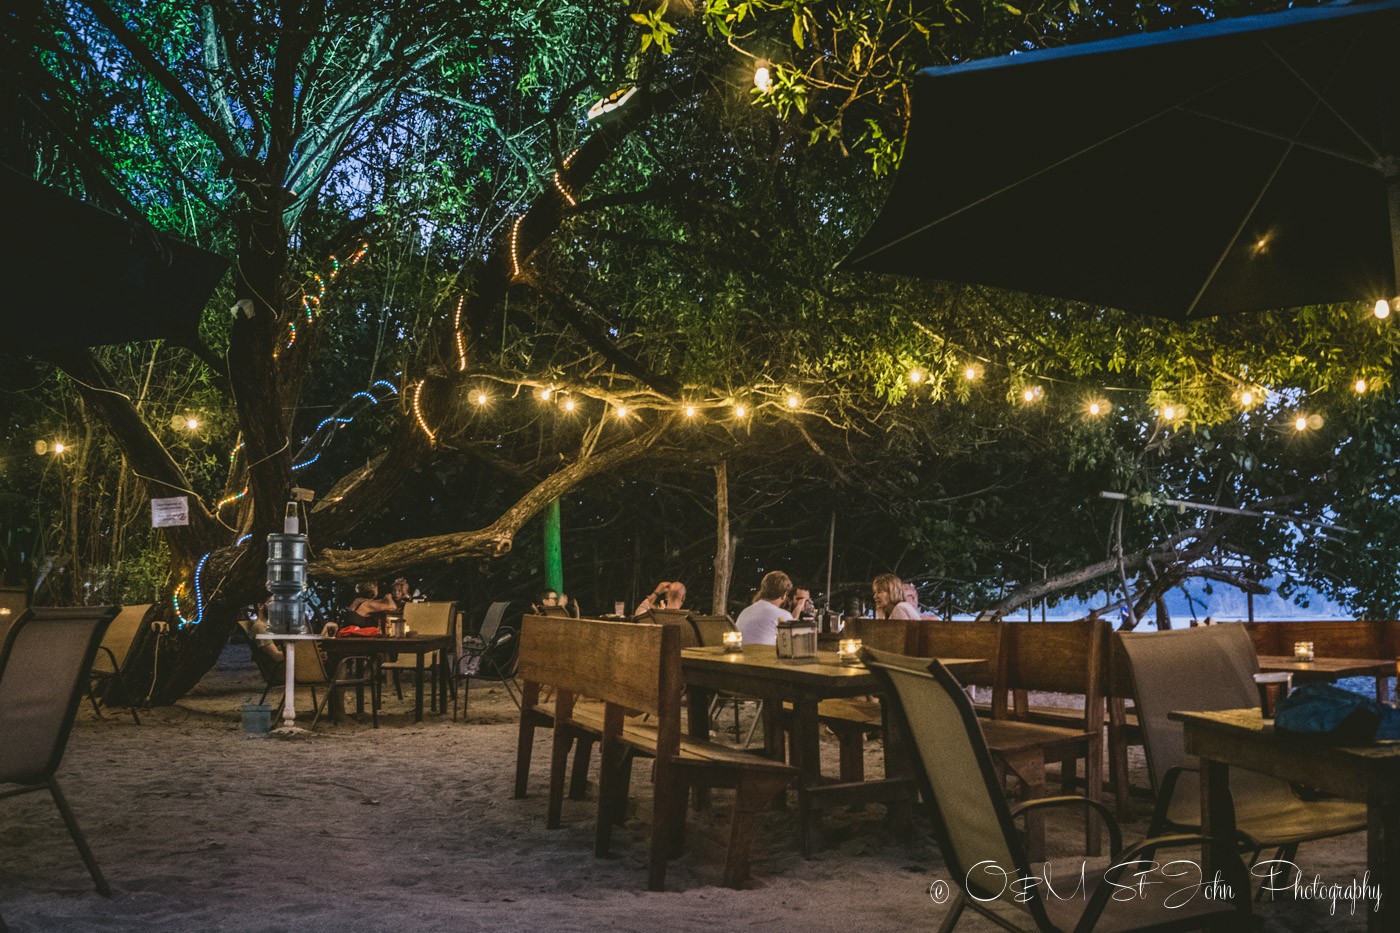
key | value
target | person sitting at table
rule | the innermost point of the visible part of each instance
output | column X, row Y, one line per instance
column 402, row 594
column 758, row 623
column 888, row 591
column 569, row 605
column 911, row 596
column 800, row 602
column 667, row 595
column 547, row 598
column 367, row 602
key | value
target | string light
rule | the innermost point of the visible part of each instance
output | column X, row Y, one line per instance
column 564, row 192
column 458, row 336
column 916, row 375
column 1381, row 310
column 1098, row 407
column 621, row 411
column 418, row 411
column 690, row 411
column 545, row 393
column 1031, row 394
column 1247, row 398
column 311, row 304
column 970, row 373
column 480, row 398
column 1360, row 386
column 568, row 404
column 1171, row 413
column 794, row 402
column 763, row 79
column 59, row 447
column 1300, row 423
column 182, row 622
column 515, row 246
column 230, row 500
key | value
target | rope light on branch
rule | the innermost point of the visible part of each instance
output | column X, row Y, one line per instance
column 181, row 621
column 311, row 303
column 418, row 411
column 457, row 336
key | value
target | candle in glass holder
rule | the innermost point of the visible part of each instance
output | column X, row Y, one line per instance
column 848, row 651
column 1303, row 650
column 733, row 641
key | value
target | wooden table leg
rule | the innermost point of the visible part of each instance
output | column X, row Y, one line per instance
column 1218, row 823
column 806, row 758
column 898, row 764
column 698, row 724
column 418, row 689
column 1383, row 858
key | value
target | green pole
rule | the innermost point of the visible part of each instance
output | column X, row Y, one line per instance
column 553, row 548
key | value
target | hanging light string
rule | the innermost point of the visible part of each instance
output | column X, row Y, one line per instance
column 311, row 301
column 180, row 620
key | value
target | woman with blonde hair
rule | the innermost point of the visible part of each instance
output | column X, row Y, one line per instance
column 888, row 591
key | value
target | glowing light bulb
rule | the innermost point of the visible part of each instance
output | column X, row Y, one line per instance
column 192, row 423
column 740, row 411
column 1097, row 408
column 568, row 404
column 1169, row 413
column 545, row 393
column 59, row 447
column 622, row 411
column 1301, row 423
column 1382, row 309
column 970, row 373
column 1031, row 393
column 479, row 398
column 763, row 79
column 1246, row 398
column 690, row 411
column 916, row 375
column 793, row 401
column 1360, row 386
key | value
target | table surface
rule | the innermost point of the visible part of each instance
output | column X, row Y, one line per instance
column 1326, row 668
column 1250, row 724
column 273, row 636
column 824, row 671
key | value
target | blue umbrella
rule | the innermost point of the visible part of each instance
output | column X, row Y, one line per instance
column 1241, row 165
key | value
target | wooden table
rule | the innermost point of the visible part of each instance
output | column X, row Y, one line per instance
column 375, row 649
column 1371, row 773
column 758, row 672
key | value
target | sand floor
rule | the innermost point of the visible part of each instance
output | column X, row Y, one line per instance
column 412, row 827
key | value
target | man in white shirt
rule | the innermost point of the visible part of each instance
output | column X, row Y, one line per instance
column 758, row 623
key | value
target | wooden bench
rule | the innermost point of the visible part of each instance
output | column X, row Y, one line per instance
column 635, row 669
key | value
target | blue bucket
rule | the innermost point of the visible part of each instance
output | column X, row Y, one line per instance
column 257, row 718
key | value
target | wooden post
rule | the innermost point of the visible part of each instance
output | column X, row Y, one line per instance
column 724, row 545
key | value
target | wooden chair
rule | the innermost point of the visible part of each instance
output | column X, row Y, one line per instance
column 635, row 669
column 1052, row 657
column 1205, row 669
column 977, row 835
column 110, row 663
column 311, row 671
column 44, row 664
column 428, row 618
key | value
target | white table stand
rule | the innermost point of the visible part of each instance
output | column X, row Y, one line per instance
column 289, row 705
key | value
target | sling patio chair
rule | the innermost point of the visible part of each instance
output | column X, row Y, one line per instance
column 1201, row 670
column 44, row 666
column 482, row 651
column 978, row 838
column 311, row 671
column 426, row 618
column 110, row 663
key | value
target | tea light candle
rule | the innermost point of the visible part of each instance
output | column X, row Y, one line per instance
column 848, row 651
column 733, row 641
column 1303, row 650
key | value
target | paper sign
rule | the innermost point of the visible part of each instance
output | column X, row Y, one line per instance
column 167, row 513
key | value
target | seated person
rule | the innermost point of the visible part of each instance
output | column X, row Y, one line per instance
column 545, row 599
column 758, row 623
column 911, row 596
column 569, row 605
column 367, row 602
column 667, row 595
column 800, row 602
column 888, row 591
column 400, row 593
column 258, row 627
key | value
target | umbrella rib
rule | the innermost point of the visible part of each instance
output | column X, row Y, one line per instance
column 1249, row 214
column 1321, row 99
column 1281, row 137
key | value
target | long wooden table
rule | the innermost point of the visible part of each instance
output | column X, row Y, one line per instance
column 758, row 672
column 1244, row 739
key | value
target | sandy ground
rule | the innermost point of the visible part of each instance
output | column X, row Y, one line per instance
column 412, row 827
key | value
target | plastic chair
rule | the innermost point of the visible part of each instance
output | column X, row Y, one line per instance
column 110, row 663
column 479, row 651
column 43, row 672
column 978, row 837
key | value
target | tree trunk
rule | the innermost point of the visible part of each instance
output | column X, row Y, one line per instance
column 724, row 553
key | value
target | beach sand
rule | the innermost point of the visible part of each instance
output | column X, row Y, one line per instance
column 412, row 827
